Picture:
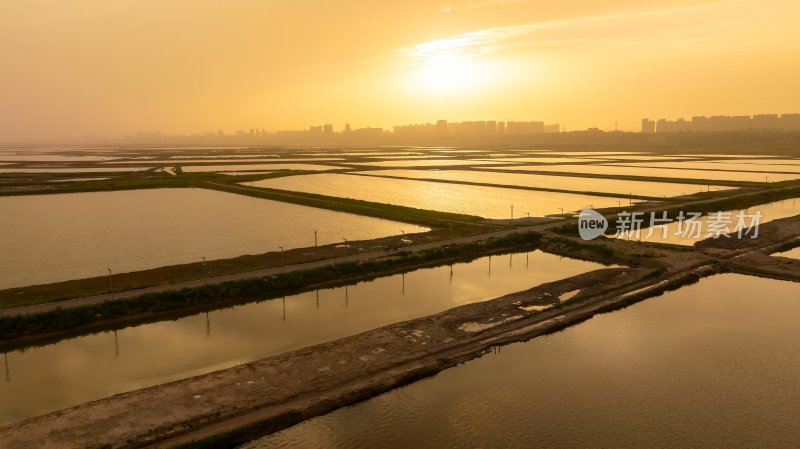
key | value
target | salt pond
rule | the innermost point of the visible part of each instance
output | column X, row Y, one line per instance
column 617, row 186
column 49, row 238
column 710, row 365
column 89, row 367
column 488, row 202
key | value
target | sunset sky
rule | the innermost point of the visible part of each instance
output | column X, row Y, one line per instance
column 116, row 67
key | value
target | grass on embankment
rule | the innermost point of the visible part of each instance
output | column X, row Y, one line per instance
column 154, row 304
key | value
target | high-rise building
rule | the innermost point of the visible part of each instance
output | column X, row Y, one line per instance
column 665, row 126
column 648, row 126
column 328, row 129
column 765, row 122
column 790, row 122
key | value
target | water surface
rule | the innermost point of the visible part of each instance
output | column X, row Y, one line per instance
column 712, row 365
column 487, row 202
column 792, row 253
column 50, row 238
column 675, row 234
column 618, row 170
column 94, row 366
column 243, row 167
column 576, row 183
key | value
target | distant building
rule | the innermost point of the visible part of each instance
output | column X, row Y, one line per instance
column 554, row 128
column 521, row 128
column 441, row 127
column 648, row 126
column 665, row 126
column 790, row 122
column 765, row 122
column 682, row 126
column 328, row 129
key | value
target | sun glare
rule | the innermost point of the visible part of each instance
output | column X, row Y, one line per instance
column 449, row 66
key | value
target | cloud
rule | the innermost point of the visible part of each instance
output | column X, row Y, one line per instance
column 498, row 38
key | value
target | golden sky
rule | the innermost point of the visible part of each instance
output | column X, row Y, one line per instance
column 115, row 67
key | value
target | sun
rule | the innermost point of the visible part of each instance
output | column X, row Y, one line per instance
column 447, row 67
column 449, row 74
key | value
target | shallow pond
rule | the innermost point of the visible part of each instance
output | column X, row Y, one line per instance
column 710, row 365
column 89, row 367
column 50, row 238
column 487, row 202
column 616, row 186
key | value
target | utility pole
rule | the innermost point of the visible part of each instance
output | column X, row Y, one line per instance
column 282, row 260
column 110, row 284
column 346, row 248
column 315, row 238
column 512, row 211
column 205, row 270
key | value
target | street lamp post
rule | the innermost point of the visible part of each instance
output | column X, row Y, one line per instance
column 282, row 259
column 205, row 270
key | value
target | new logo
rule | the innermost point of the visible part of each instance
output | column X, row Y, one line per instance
column 591, row 224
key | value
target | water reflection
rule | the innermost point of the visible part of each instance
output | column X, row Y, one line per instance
column 489, row 202
column 710, row 365
column 50, row 238
column 94, row 366
column 769, row 212
column 792, row 253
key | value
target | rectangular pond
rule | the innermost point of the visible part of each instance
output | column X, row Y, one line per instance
column 429, row 163
column 487, row 202
column 618, row 170
column 711, row 365
column 576, row 183
column 252, row 167
column 765, row 168
column 77, row 370
column 50, row 238
column 63, row 169
column 677, row 235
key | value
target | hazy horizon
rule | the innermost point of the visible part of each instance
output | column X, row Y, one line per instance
column 91, row 67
